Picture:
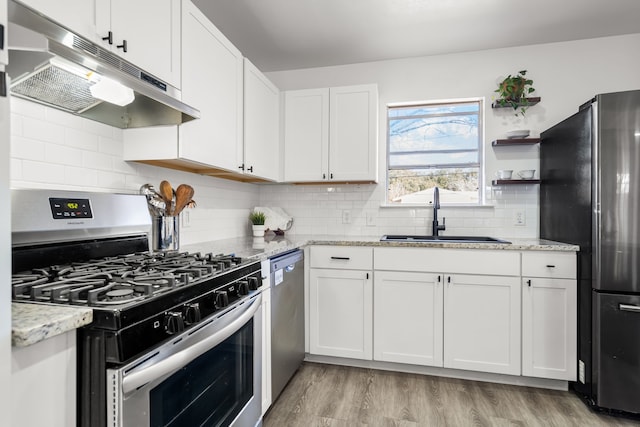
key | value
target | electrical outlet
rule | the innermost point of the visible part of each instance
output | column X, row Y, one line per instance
column 519, row 218
column 186, row 218
column 371, row 219
column 346, row 216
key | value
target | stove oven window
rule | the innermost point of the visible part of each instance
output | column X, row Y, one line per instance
column 209, row 391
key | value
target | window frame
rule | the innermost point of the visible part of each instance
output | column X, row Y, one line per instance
column 481, row 151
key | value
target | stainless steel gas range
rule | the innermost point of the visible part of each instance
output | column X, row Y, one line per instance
column 176, row 336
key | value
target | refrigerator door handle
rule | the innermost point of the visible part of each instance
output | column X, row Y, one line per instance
column 627, row 307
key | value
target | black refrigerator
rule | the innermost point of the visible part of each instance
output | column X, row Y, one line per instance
column 590, row 196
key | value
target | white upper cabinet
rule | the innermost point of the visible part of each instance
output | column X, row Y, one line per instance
column 77, row 15
column 261, row 125
column 143, row 32
column 331, row 134
column 150, row 29
column 306, row 135
column 353, row 130
column 211, row 82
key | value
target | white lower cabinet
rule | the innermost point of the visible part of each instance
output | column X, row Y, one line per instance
column 482, row 323
column 341, row 302
column 407, row 319
column 549, row 316
column 340, row 313
column 45, row 373
column 494, row 311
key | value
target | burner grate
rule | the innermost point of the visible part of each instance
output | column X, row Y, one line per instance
column 119, row 279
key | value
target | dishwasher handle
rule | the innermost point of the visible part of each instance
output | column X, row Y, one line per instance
column 286, row 260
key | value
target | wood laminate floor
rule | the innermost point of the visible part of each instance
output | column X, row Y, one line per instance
column 332, row 396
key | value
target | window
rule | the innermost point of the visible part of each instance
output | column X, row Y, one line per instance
column 431, row 145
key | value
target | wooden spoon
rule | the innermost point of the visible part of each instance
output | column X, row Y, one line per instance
column 184, row 194
column 167, row 194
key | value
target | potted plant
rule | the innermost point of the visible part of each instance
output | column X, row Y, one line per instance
column 257, row 218
column 513, row 91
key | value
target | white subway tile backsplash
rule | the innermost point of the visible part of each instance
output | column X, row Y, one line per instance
column 42, row 131
column 29, row 149
column 94, row 160
column 28, row 109
column 111, row 180
column 43, row 173
column 61, row 155
column 81, row 176
column 81, row 139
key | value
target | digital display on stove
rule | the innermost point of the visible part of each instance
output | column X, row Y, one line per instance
column 70, row 208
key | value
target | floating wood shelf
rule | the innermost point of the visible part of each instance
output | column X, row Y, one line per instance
column 515, row 141
column 514, row 181
column 526, row 103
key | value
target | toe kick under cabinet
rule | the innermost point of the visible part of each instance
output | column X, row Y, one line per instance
column 497, row 311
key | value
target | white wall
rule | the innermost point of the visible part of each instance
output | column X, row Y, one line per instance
column 53, row 149
column 565, row 76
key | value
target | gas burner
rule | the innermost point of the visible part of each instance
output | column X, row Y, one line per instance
column 119, row 294
column 119, row 279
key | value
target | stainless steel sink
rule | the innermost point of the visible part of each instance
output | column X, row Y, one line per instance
column 440, row 239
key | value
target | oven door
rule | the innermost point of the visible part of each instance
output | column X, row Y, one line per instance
column 209, row 376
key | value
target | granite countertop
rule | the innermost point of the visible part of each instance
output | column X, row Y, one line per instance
column 266, row 247
column 32, row 323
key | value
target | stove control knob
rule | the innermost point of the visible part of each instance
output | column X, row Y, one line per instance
column 191, row 313
column 222, row 299
column 243, row 288
column 173, row 322
column 253, row 284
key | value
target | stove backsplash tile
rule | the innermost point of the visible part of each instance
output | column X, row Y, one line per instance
column 56, row 150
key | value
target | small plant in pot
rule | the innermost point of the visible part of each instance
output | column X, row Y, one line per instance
column 257, row 218
column 513, row 91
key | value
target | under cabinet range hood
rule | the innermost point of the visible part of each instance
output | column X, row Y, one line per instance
column 53, row 66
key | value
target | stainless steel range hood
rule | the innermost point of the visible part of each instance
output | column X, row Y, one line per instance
column 53, row 66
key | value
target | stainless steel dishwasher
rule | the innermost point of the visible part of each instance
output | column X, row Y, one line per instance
column 287, row 318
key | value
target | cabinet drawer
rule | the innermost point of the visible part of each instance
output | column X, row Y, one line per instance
column 549, row 264
column 341, row 257
column 463, row 261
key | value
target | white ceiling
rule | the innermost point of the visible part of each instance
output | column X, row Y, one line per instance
column 291, row 34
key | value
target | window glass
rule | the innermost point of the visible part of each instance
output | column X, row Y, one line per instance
column 434, row 145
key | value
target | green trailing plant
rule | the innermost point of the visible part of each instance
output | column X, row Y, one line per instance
column 257, row 218
column 513, row 91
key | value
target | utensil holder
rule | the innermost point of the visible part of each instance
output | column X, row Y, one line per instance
column 165, row 233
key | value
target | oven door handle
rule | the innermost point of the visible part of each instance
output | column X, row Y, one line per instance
column 134, row 380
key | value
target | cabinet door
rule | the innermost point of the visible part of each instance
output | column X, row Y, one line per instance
column 482, row 323
column 151, row 29
column 261, row 124
column 76, row 15
column 549, row 328
column 407, row 329
column 340, row 313
column 212, row 82
column 306, row 135
column 353, row 142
